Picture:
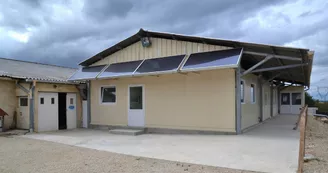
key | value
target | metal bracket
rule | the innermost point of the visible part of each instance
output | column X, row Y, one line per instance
column 275, row 56
column 22, row 88
column 279, row 67
column 257, row 65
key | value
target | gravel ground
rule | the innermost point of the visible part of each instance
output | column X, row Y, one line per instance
column 27, row 155
column 317, row 145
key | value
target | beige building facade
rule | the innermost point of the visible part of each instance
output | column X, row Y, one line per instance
column 206, row 100
column 38, row 97
column 12, row 98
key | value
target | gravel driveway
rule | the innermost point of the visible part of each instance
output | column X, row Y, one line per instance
column 29, row 155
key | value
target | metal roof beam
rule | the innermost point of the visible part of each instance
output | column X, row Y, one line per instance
column 279, row 67
column 257, row 65
column 274, row 56
column 270, row 79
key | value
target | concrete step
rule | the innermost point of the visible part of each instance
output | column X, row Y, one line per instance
column 131, row 132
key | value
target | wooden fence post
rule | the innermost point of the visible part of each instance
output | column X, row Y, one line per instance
column 302, row 124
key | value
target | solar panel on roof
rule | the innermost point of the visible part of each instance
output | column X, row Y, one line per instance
column 85, row 73
column 214, row 59
column 158, row 65
column 120, row 69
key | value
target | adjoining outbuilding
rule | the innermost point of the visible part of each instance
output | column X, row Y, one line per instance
column 168, row 82
column 38, row 97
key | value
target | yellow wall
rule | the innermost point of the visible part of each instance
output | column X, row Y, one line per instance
column 159, row 48
column 250, row 112
column 44, row 87
column 8, row 101
column 176, row 101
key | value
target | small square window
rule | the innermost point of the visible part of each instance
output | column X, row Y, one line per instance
column 42, row 100
column 285, row 99
column 52, row 101
column 71, row 101
column 23, row 101
column 296, row 98
column 108, row 95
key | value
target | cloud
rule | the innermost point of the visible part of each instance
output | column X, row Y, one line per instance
column 104, row 10
column 66, row 32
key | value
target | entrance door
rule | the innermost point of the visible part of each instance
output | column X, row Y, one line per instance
column 71, row 111
column 136, row 110
column 285, row 103
column 291, row 103
column 296, row 103
column 62, row 111
column 23, row 118
column 47, row 112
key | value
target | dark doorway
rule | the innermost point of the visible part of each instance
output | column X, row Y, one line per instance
column 62, row 124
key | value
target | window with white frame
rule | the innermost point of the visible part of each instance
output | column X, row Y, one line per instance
column 253, row 93
column 242, row 91
column 108, row 94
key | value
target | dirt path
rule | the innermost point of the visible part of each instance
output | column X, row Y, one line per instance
column 317, row 145
column 28, row 155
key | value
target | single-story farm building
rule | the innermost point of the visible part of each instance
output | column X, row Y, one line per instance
column 38, row 96
column 172, row 82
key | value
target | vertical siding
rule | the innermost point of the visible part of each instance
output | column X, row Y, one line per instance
column 159, row 48
column 193, row 101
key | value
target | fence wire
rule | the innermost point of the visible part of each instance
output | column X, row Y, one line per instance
column 319, row 92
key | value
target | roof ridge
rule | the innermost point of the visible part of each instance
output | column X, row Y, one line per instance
column 32, row 62
column 217, row 38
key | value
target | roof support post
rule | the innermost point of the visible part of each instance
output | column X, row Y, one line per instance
column 279, row 68
column 32, row 106
column 88, row 104
column 257, row 65
column 271, row 99
column 238, row 101
column 260, row 98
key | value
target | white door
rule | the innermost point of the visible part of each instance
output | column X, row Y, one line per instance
column 296, row 103
column 285, row 103
column 136, row 106
column 291, row 103
column 23, row 118
column 71, row 110
column 47, row 111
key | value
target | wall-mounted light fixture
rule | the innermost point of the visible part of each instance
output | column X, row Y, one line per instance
column 145, row 41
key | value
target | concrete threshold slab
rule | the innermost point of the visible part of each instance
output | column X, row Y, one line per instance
column 131, row 132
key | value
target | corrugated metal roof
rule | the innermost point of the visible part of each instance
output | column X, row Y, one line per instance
column 34, row 71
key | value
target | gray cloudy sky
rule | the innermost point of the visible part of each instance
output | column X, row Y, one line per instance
column 65, row 32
